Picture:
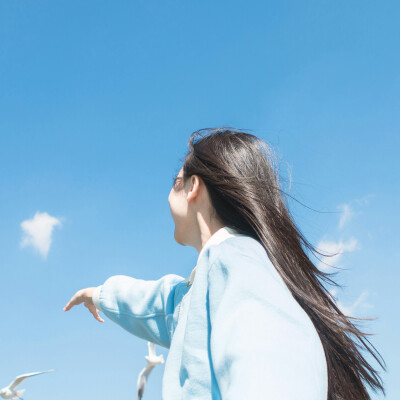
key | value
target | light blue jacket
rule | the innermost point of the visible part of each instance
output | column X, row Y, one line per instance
column 235, row 333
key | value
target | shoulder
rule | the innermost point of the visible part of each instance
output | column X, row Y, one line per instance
column 241, row 246
column 244, row 259
column 241, row 270
column 237, row 251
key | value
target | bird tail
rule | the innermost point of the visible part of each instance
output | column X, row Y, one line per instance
column 19, row 393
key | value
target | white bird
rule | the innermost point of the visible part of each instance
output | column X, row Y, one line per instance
column 9, row 391
column 152, row 361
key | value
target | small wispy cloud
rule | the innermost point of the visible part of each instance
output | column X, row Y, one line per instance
column 338, row 248
column 352, row 309
column 350, row 209
column 364, row 200
column 335, row 251
column 346, row 215
column 37, row 232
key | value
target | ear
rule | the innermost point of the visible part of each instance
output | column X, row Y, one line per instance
column 196, row 186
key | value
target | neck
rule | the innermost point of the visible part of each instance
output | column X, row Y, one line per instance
column 205, row 231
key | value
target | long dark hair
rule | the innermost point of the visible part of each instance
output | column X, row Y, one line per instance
column 241, row 176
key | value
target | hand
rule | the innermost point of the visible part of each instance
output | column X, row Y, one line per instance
column 84, row 296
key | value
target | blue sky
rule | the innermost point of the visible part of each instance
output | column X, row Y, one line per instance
column 97, row 102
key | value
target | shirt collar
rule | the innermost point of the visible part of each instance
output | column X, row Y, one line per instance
column 217, row 237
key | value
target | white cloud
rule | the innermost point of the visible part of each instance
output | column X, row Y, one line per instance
column 352, row 309
column 336, row 248
column 347, row 210
column 346, row 215
column 37, row 232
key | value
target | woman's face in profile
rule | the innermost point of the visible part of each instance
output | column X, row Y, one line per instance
column 178, row 204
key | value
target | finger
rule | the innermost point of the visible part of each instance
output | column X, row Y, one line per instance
column 75, row 300
column 68, row 306
column 95, row 312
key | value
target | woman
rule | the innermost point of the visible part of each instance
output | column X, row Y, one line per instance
column 253, row 320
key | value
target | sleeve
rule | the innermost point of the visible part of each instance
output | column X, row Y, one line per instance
column 257, row 349
column 95, row 297
column 142, row 307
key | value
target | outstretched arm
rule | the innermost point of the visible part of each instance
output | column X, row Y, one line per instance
column 142, row 307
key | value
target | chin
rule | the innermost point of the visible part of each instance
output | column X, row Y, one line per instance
column 178, row 238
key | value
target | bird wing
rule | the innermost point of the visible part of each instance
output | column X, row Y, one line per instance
column 152, row 347
column 22, row 377
column 18, row 394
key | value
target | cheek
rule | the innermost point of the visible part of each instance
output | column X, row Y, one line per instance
column 173, row 203
column 169, row 198
column 177, row 205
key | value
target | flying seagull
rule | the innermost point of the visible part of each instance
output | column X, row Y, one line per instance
column 152, row 361
column 9, row 391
